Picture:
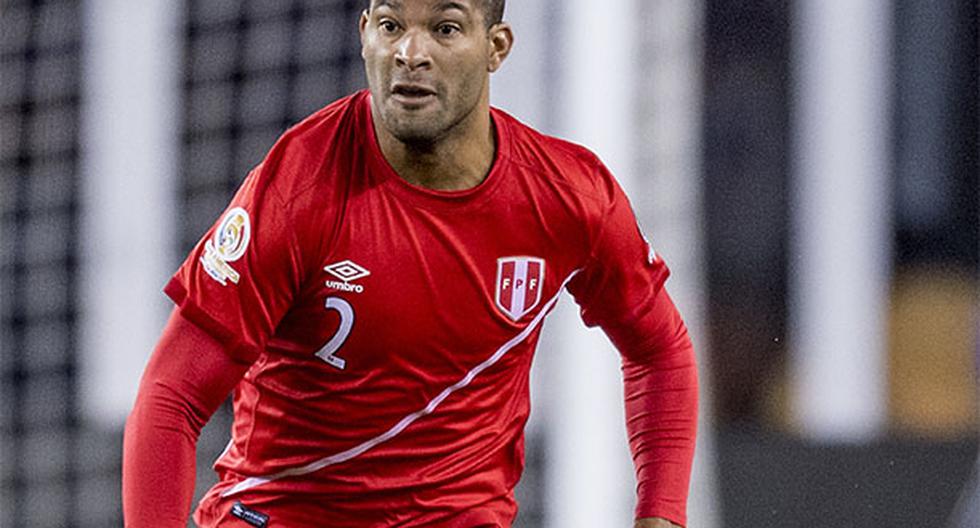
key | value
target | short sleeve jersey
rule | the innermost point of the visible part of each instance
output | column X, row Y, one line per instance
column 392, row 326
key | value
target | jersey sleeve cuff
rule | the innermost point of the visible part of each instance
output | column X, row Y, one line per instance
column 233, row 345
column 664, row 509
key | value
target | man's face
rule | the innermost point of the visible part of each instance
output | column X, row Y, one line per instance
column 427, row 63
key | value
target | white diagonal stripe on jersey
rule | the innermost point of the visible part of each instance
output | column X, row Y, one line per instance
column 357, row 450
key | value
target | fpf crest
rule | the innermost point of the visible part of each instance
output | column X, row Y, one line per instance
column 519, row 284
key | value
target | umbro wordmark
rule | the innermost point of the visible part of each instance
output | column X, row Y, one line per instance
column 346, row 271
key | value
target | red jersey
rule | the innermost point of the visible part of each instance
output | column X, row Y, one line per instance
column 392, row 327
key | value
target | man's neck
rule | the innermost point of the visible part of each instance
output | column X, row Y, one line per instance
column 459, row 161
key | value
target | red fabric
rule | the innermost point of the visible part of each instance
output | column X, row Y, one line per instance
column 186, row 379
column 416, row 415
column 292, row 512
column 661, row 392
column 621, row 290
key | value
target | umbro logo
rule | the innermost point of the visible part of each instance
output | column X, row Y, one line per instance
column 347, row 271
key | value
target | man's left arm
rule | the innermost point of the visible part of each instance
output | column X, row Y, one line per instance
column 621, row 289
column 661, row 398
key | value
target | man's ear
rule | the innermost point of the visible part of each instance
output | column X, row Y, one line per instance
column 501, row 41
column 362, row 25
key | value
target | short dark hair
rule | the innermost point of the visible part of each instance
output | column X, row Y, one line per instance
column 493, row 11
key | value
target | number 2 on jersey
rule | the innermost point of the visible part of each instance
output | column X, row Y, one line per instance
column 346, row 312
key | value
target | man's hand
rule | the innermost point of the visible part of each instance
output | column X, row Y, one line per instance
column 654, row 522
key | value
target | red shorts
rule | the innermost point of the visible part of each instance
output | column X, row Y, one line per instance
column 292, row 513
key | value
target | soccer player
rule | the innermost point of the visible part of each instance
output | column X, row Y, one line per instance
column 373, row 295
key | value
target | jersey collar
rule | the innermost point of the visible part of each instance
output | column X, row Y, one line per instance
column 432, row 198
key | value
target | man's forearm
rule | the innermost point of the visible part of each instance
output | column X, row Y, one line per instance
column 187, row 378
column 661, row 390
column 158, row 465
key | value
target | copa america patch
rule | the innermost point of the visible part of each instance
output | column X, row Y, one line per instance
column 228, row 244
column 519, row 283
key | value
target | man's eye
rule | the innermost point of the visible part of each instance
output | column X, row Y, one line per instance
column 388, row 26
column 448, row 30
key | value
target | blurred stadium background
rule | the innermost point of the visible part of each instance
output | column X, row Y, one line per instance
column 808, row 168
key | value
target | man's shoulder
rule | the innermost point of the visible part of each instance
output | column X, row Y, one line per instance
column 323, row 131
column 308, row 153
column 559, row 160
column 533, row 147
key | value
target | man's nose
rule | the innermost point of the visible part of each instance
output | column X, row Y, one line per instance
column 413, row 51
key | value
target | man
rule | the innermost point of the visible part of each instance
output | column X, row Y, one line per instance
column 373, row 296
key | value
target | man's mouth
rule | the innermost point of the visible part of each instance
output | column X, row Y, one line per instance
column 412, row 94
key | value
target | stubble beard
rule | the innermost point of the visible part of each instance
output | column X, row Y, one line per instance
column 417, row 132
column 423, row 132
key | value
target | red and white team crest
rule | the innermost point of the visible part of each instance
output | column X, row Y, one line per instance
column 519, row 283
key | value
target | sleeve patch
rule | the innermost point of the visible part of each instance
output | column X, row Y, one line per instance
column 228, row 244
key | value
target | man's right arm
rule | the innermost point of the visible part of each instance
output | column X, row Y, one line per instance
column 188, row 376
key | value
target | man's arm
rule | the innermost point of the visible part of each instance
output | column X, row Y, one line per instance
column 621, row 289
column 660, row 388
column 188, row 376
